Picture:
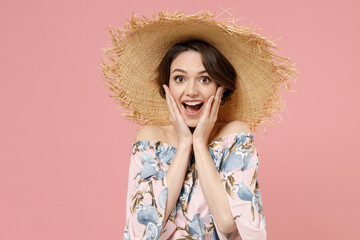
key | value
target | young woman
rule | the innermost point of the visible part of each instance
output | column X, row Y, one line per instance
column 193, row 170
column 194, row 127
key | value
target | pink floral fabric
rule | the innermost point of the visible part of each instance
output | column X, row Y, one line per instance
column 237, row 161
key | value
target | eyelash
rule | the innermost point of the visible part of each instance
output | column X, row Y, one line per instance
column 176, row 77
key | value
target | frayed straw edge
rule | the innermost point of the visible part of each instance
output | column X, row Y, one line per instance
column 283, row 69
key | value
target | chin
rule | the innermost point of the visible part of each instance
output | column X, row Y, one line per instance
column 192, row 123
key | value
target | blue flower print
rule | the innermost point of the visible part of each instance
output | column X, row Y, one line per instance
column 263, row 221
column 165, row 155
column 185, row 193
column 147, row 158
column 147, row 171
column 238, row 158
column 152, row 231
column 248, row 162
column 235, row 158
column 257, row 201
column 149, row 216
column 185, row 196
column 173, row 212
column 196, row 227
column 160, row 175
column 150, row 167
column 177, row 205
column 142, row 145
column 162, row 198
column 242, row 138
column 216, row 156
column 244, row 193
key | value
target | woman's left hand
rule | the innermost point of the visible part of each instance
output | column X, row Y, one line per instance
column 208, row 118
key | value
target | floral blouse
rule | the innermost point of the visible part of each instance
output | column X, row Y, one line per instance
column 236, row 159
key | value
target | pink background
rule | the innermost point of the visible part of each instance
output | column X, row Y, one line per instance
column 65, row 148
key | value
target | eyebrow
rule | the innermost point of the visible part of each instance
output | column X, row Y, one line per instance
column 183, row 71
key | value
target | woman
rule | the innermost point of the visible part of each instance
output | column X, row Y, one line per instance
column 192, row 127
column 194, row 175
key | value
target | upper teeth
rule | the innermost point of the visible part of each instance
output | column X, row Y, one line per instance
column 193, row 103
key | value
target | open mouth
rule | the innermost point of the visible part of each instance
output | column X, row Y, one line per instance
column 192, row 108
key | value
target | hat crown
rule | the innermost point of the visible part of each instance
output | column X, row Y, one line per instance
column 129, row 66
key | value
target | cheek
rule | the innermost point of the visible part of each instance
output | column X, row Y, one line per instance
column 175, row 93
column 172, row 92
column 211, row 92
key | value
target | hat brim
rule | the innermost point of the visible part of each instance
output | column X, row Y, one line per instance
column 138, row 50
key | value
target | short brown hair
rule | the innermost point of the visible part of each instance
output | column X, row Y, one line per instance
column 217, row 66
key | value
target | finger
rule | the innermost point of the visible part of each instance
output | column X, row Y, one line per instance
column 176, row 108
column 168, row 101
column 217, row 101
column 208, row 106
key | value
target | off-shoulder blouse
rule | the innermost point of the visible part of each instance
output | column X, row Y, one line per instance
column 237, row 162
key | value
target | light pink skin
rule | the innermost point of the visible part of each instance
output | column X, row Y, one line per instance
column 189, row 81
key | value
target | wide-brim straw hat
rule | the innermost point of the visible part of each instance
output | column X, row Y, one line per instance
column 129, row 66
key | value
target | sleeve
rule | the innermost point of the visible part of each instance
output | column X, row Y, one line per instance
column 146, row 197
column 239, row 175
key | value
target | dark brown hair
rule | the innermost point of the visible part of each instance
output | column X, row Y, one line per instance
column 216, row 65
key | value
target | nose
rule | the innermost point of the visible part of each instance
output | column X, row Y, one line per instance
column 192, row 89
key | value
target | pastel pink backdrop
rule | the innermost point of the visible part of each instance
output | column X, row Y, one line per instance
column 65, row 148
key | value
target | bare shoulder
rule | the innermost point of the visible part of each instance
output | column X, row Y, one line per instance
column 152, row 133
column 234, row 127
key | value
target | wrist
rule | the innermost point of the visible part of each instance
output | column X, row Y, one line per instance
column 185, row 145
column 199, row 144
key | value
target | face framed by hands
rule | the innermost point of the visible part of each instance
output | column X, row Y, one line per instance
column 191, row 86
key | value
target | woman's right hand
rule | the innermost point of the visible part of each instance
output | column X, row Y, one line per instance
column 182, row 129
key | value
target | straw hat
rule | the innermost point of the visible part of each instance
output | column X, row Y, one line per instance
column 130, row 63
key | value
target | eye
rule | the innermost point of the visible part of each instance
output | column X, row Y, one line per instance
column 205, row 79
column 179, row 78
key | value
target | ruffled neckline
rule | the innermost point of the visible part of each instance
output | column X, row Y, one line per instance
column 216, row 140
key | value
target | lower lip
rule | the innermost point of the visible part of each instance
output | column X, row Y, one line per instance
column 191, row 114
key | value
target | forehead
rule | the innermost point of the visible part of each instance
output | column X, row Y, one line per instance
column 188, row 60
